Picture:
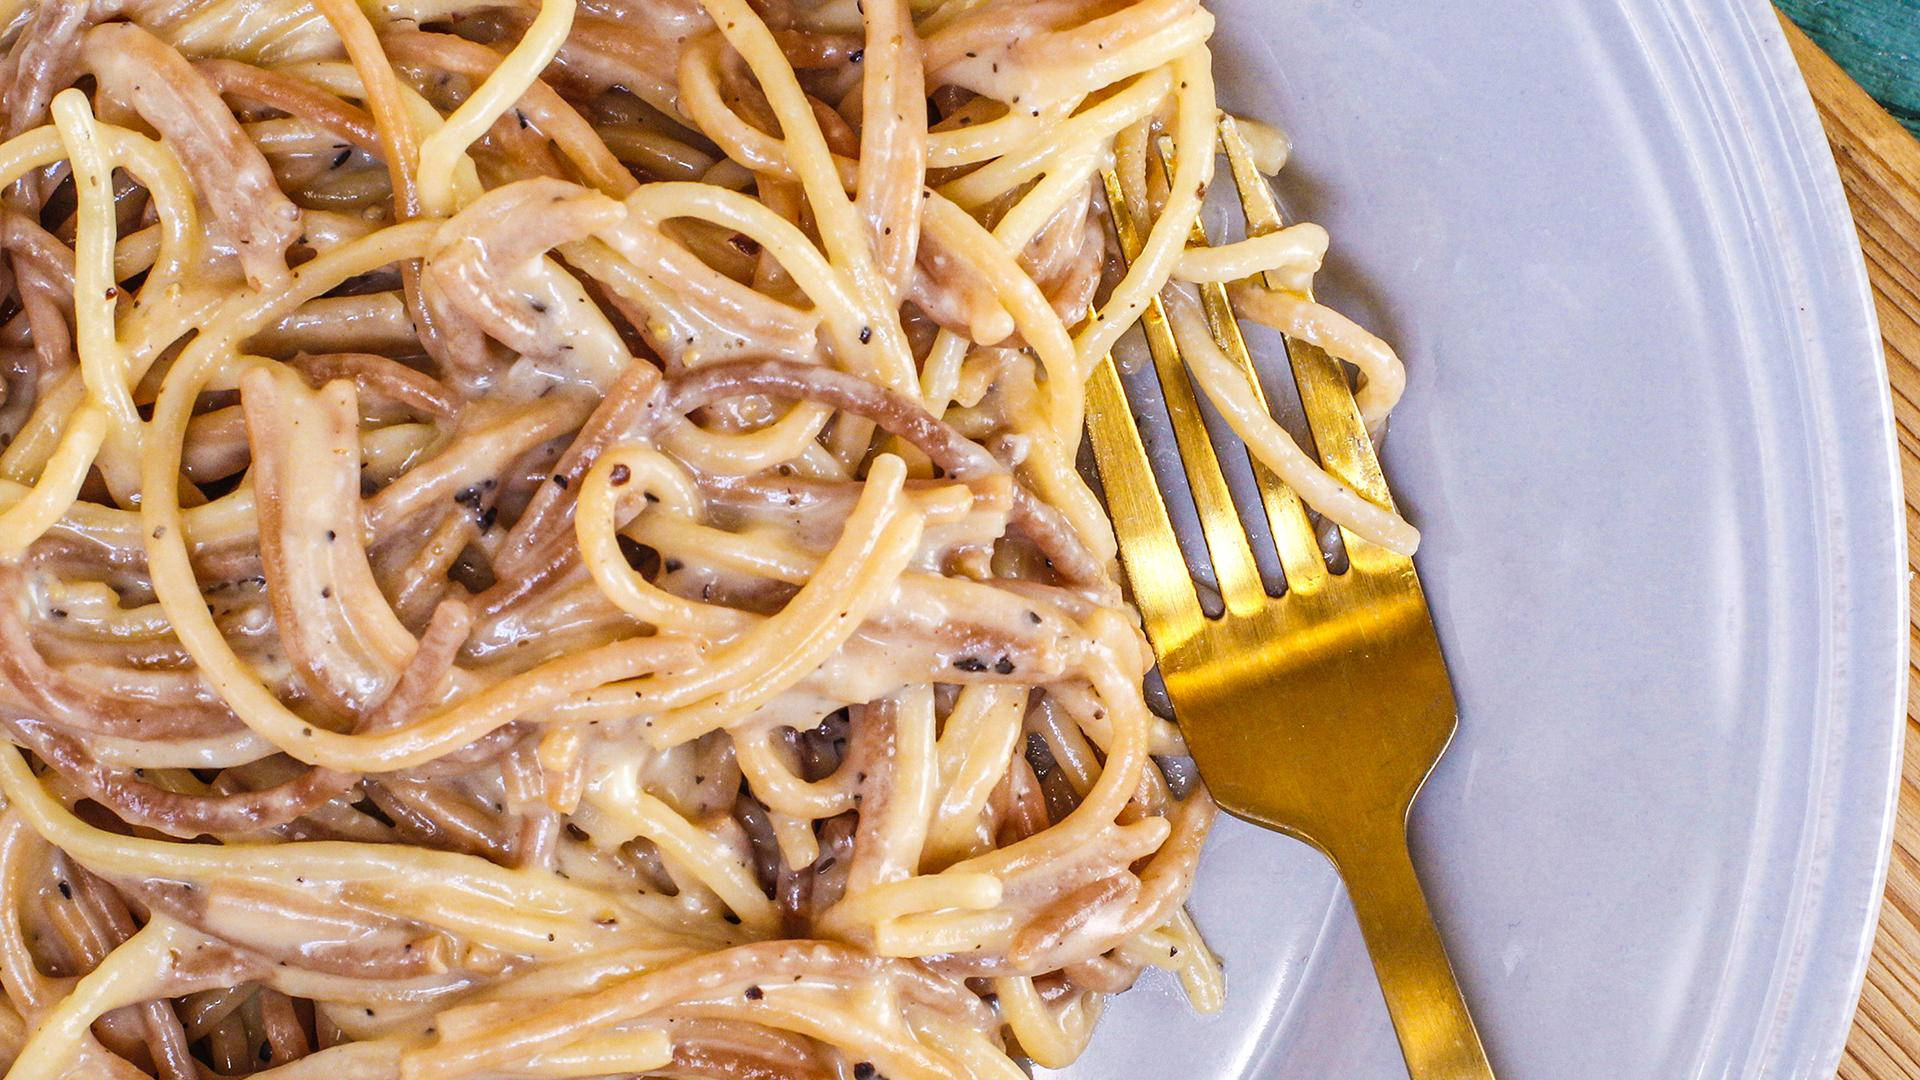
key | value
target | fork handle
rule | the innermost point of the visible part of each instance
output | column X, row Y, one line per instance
column 1436, row 1032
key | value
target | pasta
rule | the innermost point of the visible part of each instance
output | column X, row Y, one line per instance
column 543, row 539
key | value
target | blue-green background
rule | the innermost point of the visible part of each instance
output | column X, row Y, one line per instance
column 1877, row 41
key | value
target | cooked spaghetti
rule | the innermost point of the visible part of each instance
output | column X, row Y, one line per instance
column 543, row 539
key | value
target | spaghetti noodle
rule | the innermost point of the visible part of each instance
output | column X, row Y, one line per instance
column 543, row 539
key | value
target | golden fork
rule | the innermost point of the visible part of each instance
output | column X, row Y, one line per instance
column 1318, row 713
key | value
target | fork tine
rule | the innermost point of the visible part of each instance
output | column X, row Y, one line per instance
column 1293, row 537
column 1235, row 572
column 1156, row 568
column 1339, row 434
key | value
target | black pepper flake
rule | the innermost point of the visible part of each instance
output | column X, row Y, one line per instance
column 1033, row 617
column 340, row 158
column 326, row 592
column 330, row 536
column 539, row 306
column 66, row 891
column 866, row 334
column 754, row 993
column 550, row 937
column 671, row 566
column 487, row 518
column 732, row 918
column 112, row 292
column 856, row 56
column 522, row 117
column 970, row 663
column 58, row 613
column 560, row 481
column 1003, row 665
column 619, row 475
column 865, row 1071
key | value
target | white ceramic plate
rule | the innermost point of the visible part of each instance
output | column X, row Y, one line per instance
column 1648, row 439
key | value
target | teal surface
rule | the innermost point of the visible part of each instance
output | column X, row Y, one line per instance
column 1877, row 41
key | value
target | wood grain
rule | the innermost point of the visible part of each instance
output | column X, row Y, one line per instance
column 1880, row 166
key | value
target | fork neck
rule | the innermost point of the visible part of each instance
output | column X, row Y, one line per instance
column 1436, row 1032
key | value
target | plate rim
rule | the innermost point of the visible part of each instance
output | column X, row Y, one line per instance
column 1737, row 56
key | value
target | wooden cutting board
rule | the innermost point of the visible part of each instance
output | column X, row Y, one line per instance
column 1880, row 166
